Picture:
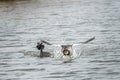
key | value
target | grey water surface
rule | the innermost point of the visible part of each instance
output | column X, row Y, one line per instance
column 24, row 22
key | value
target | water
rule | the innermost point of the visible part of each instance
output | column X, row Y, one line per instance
column 23, row 23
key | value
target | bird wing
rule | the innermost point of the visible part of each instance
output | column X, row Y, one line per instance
column 79, row 43
column 85, row 42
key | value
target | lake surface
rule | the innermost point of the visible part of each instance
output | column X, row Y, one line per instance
column 23, row 23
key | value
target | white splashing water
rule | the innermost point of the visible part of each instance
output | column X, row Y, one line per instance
column 77, row 52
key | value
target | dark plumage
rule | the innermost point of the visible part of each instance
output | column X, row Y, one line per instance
column 40, row 47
